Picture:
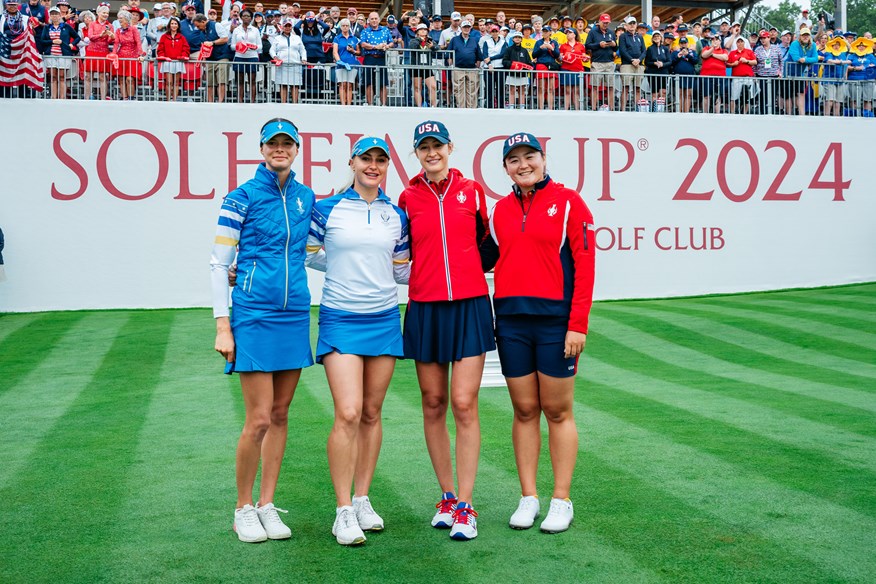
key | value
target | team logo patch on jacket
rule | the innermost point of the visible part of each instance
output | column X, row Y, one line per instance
column 384, row 216
column 300, row 204
column 461, row 197
column 552, row 210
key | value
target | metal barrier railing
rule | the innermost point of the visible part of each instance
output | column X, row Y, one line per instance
column 408, row 79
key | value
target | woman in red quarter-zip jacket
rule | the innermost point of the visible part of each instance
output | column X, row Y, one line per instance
column 543, row 249
column 449, row 320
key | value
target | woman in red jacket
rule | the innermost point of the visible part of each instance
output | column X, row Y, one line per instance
column 572, row 55
column 543, row 248
column 449, row 322
column 173, row 52
column 129, row 48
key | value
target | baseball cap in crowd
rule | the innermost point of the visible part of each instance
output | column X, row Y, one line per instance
column 158, row 6
column 436, row 18
column 784, row 32
column 431, row 129
column 455, row 16
column 604, row 17
column 669, row 36
column 494, row 28
column 391, row 19
column 763, row 35
column 642, row 25
column 527, row 25
column 546, row 30
column 505, row 28
column 465, row 23
column 188, row 7
column 64, row 2
column 272, row 129
column 848, row 33
column 772, row 28
column 805, row 30
column 735, row 23
column 520, row 139
column 367, row 143
column 310, row 16
column 296, row 5
column 421, row 26
column 682, row 39
column 805, row 11
column 53, row 9
column 682, row 27
column 629, row 20
column 553, row 18
column 656, row 33
column 286, row 21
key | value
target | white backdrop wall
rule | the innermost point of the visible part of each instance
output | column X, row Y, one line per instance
column 112, row 205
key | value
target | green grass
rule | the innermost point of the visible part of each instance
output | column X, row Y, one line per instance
column 723, row 439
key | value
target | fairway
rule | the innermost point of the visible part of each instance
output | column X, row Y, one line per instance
column 723, row 439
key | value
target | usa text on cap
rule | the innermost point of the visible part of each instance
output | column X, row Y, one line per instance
column 431, row 129
column 520, row 139
column 367, row 143
column 272, row 129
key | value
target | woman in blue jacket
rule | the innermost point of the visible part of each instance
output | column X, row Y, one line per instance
column 801, row 55
column 311, row 32
column 58, row 43
column 546, row 54
column 265, row 223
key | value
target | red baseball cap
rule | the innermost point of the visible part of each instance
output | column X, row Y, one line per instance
column 604, row 17
column 763, row 34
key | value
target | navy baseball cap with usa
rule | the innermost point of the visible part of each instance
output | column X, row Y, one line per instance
column 431, row 129
column 520, row 139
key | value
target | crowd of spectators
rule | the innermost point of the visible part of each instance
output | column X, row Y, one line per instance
column 559, row 62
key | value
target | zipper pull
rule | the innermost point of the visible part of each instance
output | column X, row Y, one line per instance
column 523, row 227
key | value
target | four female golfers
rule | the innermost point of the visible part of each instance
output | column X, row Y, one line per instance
column 540, row 240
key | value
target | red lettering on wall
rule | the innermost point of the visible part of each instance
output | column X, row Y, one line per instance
column 580, row 158
column 773, row 193
column 606, row 164
column 478, row 169
column 103, row 173
column 70, row 163
column 837, row 185
column 185, row 191
column 754, row 177
column 308, row 163
column 684, row 193
column 233, row 161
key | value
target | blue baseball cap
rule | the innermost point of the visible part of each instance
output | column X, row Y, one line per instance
column 272, row 129
column 520, row 139
column 431, row 129
column 367, row 143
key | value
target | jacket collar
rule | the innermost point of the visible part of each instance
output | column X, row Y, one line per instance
column 538, row 186
column 351, row 193
column 420, row 178
column 269, row 177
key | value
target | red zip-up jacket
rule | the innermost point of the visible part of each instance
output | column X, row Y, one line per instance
column 448, row 222
column 175, row 48
column 546, row 254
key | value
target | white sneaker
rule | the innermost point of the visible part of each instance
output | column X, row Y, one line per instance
column 368, row 519
column 247, row 525
column 559, row 516
column 346, row 528
column 443, row 518
column 527, row 511
column 465, row 523
column 270, row 520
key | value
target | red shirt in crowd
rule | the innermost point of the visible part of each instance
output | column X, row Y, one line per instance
column 713, row 67
column 572, row 58
column 742, row 69
column 448, row 221
column 174, row 47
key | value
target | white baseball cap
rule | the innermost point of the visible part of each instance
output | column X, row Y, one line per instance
column 455, row 16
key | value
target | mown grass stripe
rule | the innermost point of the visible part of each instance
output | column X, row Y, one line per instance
column 835, row 538
column 804, row 468
column 833, row 340
column 192, row 497
column 815, row 306
column 834, row 326
column 636, row 336
column 846, row 372
column 25, row 348
column 843, row 447
column 673, row 534
column 858, row 300
column 85, row 457
column 31, row 407
column 9, row 323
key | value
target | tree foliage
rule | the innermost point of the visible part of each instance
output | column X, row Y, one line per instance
column 860, row 13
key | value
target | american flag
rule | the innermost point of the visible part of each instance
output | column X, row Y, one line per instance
column 20, row 62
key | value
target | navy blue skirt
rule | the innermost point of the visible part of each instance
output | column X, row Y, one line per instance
column 443, row 332
column 270, row 340
column 351, row 333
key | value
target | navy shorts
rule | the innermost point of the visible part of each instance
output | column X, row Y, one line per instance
column 529, row 343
